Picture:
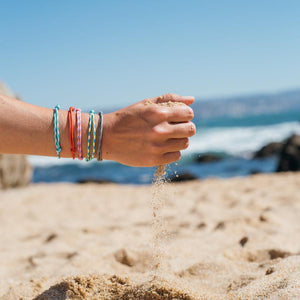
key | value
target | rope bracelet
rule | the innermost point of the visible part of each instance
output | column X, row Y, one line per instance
column 78, row 122
column 56, row 131
column 71, row 134
column 91, row 124
column 91, row 131
column 100, row 128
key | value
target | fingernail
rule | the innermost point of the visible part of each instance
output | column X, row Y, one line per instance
column 188, row 97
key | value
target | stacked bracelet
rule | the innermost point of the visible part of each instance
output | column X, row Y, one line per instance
column 78, row 121
column 71, row 134
column 91, row 131
column 56, row 131
column 91, row 124
column 100, row 128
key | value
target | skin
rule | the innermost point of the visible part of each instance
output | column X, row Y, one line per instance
column 137, row 135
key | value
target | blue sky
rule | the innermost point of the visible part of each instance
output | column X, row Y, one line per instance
column 113, row 53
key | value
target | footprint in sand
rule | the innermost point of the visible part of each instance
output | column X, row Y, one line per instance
column 138, row 261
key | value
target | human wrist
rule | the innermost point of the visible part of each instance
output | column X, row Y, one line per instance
column 107, row 137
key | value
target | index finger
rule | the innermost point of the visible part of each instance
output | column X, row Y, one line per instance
column 180, row 113
column 188, row 100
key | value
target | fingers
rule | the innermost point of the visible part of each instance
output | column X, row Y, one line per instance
column 170, row 157
column 180, row 113
column 188, row 100
column 181, row 130
column 173, row 145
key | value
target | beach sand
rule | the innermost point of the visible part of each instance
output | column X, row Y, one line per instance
column 228, row 239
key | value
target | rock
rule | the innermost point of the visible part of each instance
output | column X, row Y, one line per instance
column 269, row 150
column 243, row 241
column 289, row 157
column 207, row 158
column 93, row 180
column 254, row 172
column 183, row 177
column 15, row 170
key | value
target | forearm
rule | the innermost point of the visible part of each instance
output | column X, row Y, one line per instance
column 29, row 129
column 138, row 135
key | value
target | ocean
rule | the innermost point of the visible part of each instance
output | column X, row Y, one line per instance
column 234, row 136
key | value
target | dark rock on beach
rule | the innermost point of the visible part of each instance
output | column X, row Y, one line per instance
column 290, row 155
column 183, row 177
column 269, row 150
column 254, row 172
column 15, row 170
column 207, row 158
column 93, row 180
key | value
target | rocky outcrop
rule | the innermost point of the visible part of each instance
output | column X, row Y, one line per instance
column 15, row 170
column 269, row 150
column 290, row 155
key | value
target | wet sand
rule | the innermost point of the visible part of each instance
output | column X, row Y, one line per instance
column 227, row 239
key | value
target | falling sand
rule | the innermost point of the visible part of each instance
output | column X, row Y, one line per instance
column 158, row 227
column 160, row 234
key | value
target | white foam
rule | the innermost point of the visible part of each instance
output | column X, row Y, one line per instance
column 240, row 140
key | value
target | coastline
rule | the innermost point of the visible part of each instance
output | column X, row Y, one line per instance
column 236, row 238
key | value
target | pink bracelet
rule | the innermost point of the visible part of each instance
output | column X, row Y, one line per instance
column 78, row 120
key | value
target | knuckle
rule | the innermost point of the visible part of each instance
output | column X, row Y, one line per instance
column 159, row 131
column 162, row 114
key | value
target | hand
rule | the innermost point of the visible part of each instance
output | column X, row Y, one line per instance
column 148, row 135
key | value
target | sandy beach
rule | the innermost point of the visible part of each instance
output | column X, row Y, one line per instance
column 227, row 239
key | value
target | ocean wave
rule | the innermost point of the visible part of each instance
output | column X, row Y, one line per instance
column 240, row 141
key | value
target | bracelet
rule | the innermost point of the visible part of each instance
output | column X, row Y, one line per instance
column 78, row 121
column 100, row 128
column 71, row 134
column 56, row 131
column 91, row 123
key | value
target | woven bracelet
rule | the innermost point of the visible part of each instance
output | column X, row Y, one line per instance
column 78, row 122
column 71, row 133
column 100, row 128
column 56, row 131
column 91, row 124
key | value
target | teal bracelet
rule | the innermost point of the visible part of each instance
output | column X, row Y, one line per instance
column 91, row 124
column 56, row 131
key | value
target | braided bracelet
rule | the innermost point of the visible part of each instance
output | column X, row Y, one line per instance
column 100, row 128
column 56, row 131
column 71, row 134
column 78, row 121
column 91, row 123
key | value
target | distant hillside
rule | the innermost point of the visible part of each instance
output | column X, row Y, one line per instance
column 252, row 105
